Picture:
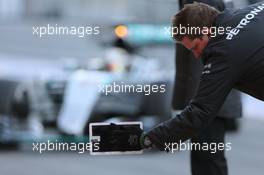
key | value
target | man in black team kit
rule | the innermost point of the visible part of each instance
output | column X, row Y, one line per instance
column 232, row 58
column 188, row 73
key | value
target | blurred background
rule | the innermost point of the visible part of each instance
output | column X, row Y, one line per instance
column 49, row 86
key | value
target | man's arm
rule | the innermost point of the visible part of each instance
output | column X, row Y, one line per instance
column 216, row 82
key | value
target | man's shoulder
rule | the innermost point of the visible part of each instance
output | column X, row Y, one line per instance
column 216, row 50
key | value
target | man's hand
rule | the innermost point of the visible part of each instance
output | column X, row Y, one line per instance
column 123, row 138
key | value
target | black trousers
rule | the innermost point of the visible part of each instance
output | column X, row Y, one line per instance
column 205, row 162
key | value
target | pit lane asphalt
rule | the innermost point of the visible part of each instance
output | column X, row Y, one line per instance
column 246, row 157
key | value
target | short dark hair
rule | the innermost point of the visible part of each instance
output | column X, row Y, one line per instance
column 193, row 15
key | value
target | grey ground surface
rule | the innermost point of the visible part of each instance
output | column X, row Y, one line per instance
column 246, row 157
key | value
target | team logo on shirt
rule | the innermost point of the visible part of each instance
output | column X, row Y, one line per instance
column 245, row 21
